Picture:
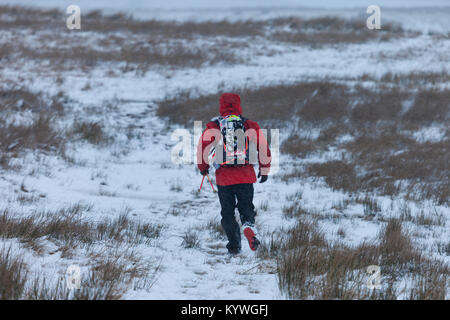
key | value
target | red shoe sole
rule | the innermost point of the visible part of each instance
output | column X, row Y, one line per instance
column 250, row 235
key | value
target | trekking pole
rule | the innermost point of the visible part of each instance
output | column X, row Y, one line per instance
column 210, row 183
column 201, row 184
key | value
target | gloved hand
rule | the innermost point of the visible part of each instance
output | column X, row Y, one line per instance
column 263, row 177
column 204, row 172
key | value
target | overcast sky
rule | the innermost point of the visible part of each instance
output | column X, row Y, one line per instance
column 136, row 5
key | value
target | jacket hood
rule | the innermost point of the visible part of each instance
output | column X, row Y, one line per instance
column 230, row 103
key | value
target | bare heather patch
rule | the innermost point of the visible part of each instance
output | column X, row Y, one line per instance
column 134, row 57
column 430, row 105
column 270, row 249
column 63, row 225
column 371, row 205
column 429, row 219
column 27, row 122
column 338, row 175
column 330, row 30
column 17, row 99
column 37, row 134
column 215, row 227
column 294, row 210
column 13, row 275
column 310, row 267
column 107, row 278
column 110, row 274
column 30, row 121
column 91, row 131
column 191, row 239
column 66, row 227
column 279, row 102
column 414, row 79
column 392, row 157
column 298, row 146
column 96, row 21
column 122, row 229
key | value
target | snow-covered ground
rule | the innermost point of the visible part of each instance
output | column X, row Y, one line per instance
column 139, row 175
column 418, row 15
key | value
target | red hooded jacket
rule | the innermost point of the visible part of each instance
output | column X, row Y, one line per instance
column 230, row 103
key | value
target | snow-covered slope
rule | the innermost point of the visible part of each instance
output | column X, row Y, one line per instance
column 138, row 174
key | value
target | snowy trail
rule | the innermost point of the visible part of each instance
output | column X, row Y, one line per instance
column 206, row 272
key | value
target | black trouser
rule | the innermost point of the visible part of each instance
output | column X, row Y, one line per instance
column 227, row 196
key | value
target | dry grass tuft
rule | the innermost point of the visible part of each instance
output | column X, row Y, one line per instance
column 91, row 131
column 216, row 228
column 67, row 227
column 309, row 267
column 13, row 274
column 190, row 239
column 36, row 130
column 329, row 30
column 111, row 273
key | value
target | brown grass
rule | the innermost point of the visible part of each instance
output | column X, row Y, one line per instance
column 391, row 157
column 38, row 132
column 111, row 272
column 338, row 175
column 190, row 239
column 91, row 131
column 310, row 267
column 270, row 249
column 273, row 103
column 107, row 279
column 414, row 79
column 215, row 227
column 66, row 226
column 430, row 105
column 329, row 30
column 13, row 274
column 33, row 121
column 137, row 58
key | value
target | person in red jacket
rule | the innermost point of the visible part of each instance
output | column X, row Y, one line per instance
column 234, row 178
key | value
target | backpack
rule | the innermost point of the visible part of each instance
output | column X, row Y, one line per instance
column 233, row 148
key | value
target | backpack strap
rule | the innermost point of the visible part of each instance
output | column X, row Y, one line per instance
column 216, row 120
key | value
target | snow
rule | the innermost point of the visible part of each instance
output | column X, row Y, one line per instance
column 430, row 134
column 139, row 175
